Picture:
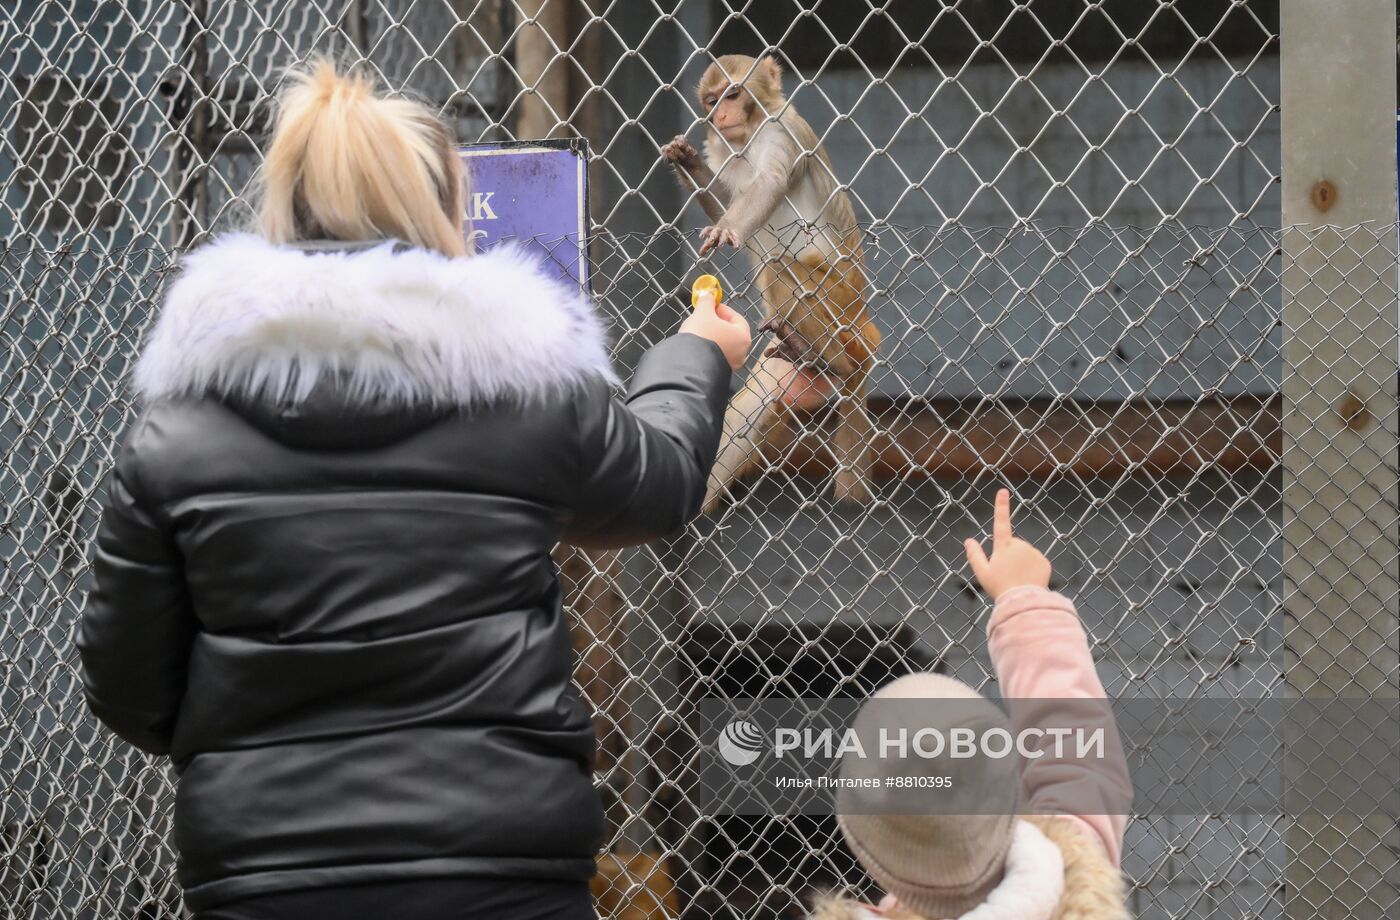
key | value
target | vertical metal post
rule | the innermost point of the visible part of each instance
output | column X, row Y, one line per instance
column 355, row 25
column 189, row 120
column 1341, row 525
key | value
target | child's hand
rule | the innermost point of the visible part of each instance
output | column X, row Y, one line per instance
column 1014, row 563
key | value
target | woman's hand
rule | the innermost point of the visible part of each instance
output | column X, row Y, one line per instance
column 1014, row 562
column 721, row 325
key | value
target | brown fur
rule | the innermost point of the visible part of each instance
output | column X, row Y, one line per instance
column 823, row 301
column 633, row 886
column 1093, row 885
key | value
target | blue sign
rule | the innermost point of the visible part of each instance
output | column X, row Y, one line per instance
column 535, row 192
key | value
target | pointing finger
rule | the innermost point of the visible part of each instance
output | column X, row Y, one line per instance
column 1001, row 523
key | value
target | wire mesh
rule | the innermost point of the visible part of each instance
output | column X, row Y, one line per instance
column 1069, row 218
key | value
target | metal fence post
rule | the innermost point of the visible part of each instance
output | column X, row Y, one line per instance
column 1340, row 521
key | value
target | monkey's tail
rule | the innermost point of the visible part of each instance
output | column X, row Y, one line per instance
column 750, row 417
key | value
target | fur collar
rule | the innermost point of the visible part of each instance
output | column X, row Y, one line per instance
column 1083, row 885
column 249, row 319
column 1093, row 882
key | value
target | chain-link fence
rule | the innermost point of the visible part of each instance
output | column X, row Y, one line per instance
column 1071, row 228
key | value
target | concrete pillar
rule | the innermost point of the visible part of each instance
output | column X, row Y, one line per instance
column 1341, row 524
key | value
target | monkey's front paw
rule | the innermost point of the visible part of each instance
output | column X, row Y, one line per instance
column 714, row 237
column 788, row 343
column 681, row 153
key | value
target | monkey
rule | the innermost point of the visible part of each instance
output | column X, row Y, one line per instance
column 766, row 184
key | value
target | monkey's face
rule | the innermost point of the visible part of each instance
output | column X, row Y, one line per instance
column 739, row 93
column 730, row 109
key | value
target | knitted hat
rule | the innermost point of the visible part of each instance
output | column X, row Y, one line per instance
column 941, row 864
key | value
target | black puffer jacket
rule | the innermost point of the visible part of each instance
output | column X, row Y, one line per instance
column 323, row 581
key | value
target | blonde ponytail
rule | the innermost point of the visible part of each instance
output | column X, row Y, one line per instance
column 348, row 164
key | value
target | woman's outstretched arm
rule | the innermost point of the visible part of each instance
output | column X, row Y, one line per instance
column 646, row 458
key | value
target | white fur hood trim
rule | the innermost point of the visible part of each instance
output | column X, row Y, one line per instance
column 249, row 318
column 1033, row 883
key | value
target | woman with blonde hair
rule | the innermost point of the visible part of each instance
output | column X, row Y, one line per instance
column 322, row 583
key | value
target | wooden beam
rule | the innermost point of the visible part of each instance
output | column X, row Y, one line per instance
column 949, row 439
column 541, row 59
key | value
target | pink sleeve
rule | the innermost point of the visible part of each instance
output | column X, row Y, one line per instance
column 1041, row 657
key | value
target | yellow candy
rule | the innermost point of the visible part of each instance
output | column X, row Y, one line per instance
column 702, row 284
